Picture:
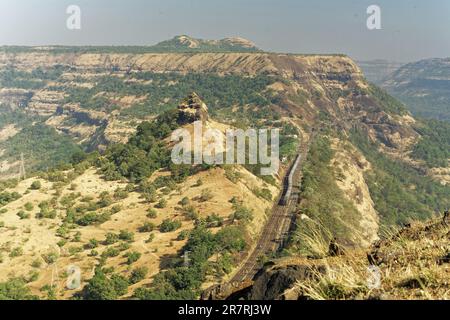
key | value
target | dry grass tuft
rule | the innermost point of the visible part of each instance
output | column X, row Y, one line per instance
column 409, row 264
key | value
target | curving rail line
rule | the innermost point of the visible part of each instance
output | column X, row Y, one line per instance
column 277, row 228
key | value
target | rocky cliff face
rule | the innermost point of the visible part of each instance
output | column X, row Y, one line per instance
column 192, row 109
column 311, row 83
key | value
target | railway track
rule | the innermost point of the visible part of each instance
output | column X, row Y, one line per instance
column 276, row 229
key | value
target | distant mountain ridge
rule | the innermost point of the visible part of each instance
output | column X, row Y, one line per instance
column 178, row 44
column 186, row 43
column 424, row 86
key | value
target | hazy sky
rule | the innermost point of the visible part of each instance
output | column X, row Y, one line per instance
column 411, row 29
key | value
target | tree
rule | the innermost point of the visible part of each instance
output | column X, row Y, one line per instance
column 168, row 225
column 132, row 257
column 15, row 289
column 242, row 213
column 138, row 275
column 100, row 287
column 126, row 235
column 147, row 227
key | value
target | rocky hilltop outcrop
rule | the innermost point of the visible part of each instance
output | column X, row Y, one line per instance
column 187, row 44
column 192, row 109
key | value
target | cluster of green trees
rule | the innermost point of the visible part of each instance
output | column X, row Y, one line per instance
column 164, row 91
column 15, row 289
column 8, row 116
column 7, row 197
column 86, row 213
column 180, row 281
column 11, row 78
column 42, row 146
column 400, row 192
column 104, row 287
column 36, row 79
column 388, row 103
column 434, row 145
column 144, row 153
column 184, row 281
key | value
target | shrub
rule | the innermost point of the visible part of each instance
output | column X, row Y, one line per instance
column 36, row 263
column 148, row 191
column 75, row 250
column 92, row 218
column 214, row 221
column 28, row 206
column 242, row 213
column 185, row 201
column 161, row 204
column 120, row 194
column 105, row 200
column 61, row 243
column 123, row 246
column 150, row 238
column 147, row 227
column 169, row 225
column 36, row 185
column 115, row 209
column 263, row 193
column 111, row 252
column 50, row 258
column 77, row 237
column 206, row 195
column 138, row 275
column 132, row 257
column 152, row 213
column 23, row 215
column 92, row 244
column 16, row 252
column 183, row 235
column 191, row 213
column 111, row 238
column 7, row 197
column 126, row 235
column 231, row 239
column 46, row 212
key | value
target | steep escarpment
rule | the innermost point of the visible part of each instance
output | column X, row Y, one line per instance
column 98, row 99
column 104, row 95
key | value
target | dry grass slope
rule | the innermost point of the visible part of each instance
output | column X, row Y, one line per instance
column 411, row 263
